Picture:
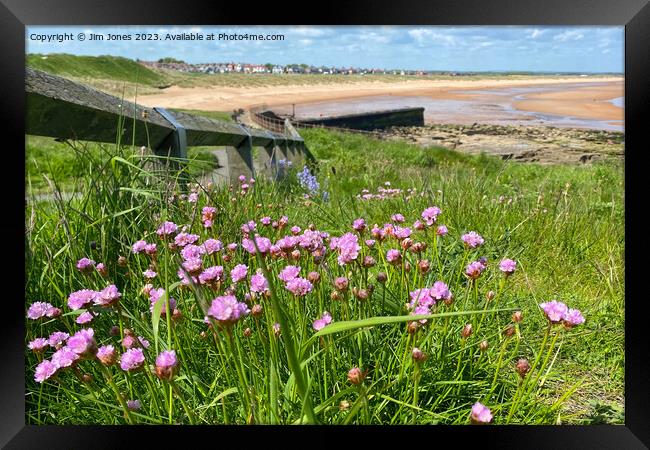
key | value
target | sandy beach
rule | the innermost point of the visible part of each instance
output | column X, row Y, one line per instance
column 467, row 101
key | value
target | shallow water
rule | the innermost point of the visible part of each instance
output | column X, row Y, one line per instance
column 489, row 106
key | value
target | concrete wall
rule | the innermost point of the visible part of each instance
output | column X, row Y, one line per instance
column 377, row 120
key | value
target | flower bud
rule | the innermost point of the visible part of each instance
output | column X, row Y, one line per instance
column 248, row 332
column 490, row 295
column 360, row 294
column 509, row 331
column 368, row 262
column 121, row 261
column 406, row 243
column 341, row 284
column 522, row 367
column 344, row 405
column 356, row 376
column 87, row 378
column 177, row 315
column 517, row 316
column 313, row 277
column 483, row 346
column 336, row 295
column 467, row 331
column 418, row 355
column 382, row 277
column 227, row 258
column 424, row 266
column 114, row 331
column 203, row 335
column 256, row 310
column 449, row 300
column 295, row 255
column 412, row 327
column 407, row 266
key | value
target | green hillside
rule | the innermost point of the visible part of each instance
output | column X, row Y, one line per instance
column 95, row 67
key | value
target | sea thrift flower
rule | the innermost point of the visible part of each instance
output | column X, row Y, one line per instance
column 139, row 246
column 422, row 297
column 474, row 270
column 289, row 273
column 81, row 299
column 150, row 249
column 107, row 296
column 227, row 310
column 418, row 355
column 149, row 274
column 133, row 405
column 341, row 284
column 480, row 414
column 166, row 229
column 507, row 266
column 193, row 266
column 370, row 242
column 143, row 342
column 39, row 309
column 295, row 230
column 45, row 370
column 418, row 225
column 397, row 218
column 64, row 357
column 85, row 265
column 466, row 331
column 299, row 286
column 257, row 310
column 211, row 275
column 132, row 360
column 85, row 317
column 402, row 233
column 38, row 344
column 472, row 239
column 313, row 277
column 359, row 225
column 232, row 247
column 57, row 339
column 156, row 295
column 238, row 273
column 356, row 376
column 441, row 230
column 276, row 329
column 102, row 270
column 166, row 365
column 421, row 310
column 248, row 227
column 522, row 367
column 83, row 343
column 324, row 320
column 393, row 256
column 192, row 251
column 193, row 197
column 183, row 239
column 107, row 355
column 347, row 246
column 572, row 318
column 212, row 245
column 129, row 341
column 266, row 221
column 263, row 244
column 555, row 311
column 259, row 283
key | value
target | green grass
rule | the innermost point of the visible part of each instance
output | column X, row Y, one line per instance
column 563, row 224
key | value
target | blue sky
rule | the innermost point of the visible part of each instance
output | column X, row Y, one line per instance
column 477, row 48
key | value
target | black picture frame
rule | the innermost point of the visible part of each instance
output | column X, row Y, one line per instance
column 15, row 15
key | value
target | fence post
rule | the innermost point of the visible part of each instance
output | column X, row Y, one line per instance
column 240, row 159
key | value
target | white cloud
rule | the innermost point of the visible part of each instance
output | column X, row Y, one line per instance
column 572, row 35
column 534, row 34
column 424, row 36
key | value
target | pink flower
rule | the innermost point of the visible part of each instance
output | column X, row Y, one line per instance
column 370, row 242
column 259, row 283
column 324, row 320
column 83, row 343
column 442, row 230
column 421, row 310
column 85, row 265
column 238, row 273
column 107, row 296
column 166, row 229
column 263, row 244
column 402, row 233
column 481, row 414
column 311, row 240
column 288, row 243
column 133, row 405
column 299, row 286
column 232, row 247
column 440, row 291
column 38, row 310
column 572, row 318
column 507, row 266
column 193, row 197
column 289, row 273
column 193, row 266
column 397, row 218
column 359, row 225
column 85, row 317
column 81, row 299
column 474, row 269
column 107, row 355
column 393, row 256
column 295, row 230
column 211, row 274
column 64, row 357
column 191, row 251
column 156, row 295
column 166, row 365
column 472, row 239
column 555, row 311
column 132, row 360
column 150, row 249
column 347, row 246
column 149, row 274
column 212, row 246
column 430, row 215
column 248, row 227
column 38, row 344
column 139, row 246
column 227, row 310
column 266, row 221
column 44, row 371
column 183, row 239
column 57, row 339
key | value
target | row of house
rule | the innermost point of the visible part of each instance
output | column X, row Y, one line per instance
column 232, row 67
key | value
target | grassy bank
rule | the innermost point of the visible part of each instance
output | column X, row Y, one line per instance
column 562, row 224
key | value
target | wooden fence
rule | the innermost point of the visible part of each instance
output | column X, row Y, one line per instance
column 61, row 108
